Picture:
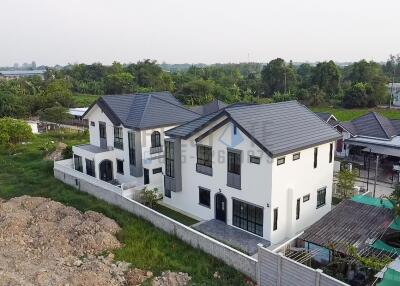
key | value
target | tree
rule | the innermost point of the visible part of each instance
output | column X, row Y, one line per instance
column 346, row 180
column 326, row 76
column 277, row 76
column 55, row 114
column 358, row 95
column 119, row 83
column 58, row 92
column 14, row 131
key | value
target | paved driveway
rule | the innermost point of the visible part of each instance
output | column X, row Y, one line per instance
column 232, row 236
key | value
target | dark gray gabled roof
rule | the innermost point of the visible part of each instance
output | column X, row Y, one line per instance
column 145, row 110
column 210, row 107
column 323, row 115
column 372, row 124
column 277, row 128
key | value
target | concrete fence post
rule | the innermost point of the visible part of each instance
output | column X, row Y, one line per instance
column 258, row 265
column 318, row 277
column 279, row 273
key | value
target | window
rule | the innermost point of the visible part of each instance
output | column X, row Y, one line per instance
column 92, row 123
column 204, row 197
column 296, row 156
column 315, row 157
column 275, row 227
column 255, row 160
column 204, row 156
column 169, row 159
column 306, row 198
column 280, row 161
column 120, row 167
column 155, row 139
column 102, row 130
column 118, row 140
column 78, row 163
column 298, row 209
column 248, row 217
column 321, row 197
column 90, row 168
column 234, row 162
column 330, row 152
column 234, row 130
column 131, row 147
column 157, row 170
column 167, row 193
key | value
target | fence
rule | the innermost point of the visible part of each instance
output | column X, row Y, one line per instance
column 275, row 269
column 113, row 195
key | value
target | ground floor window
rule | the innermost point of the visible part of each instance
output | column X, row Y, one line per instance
column 321, row 197
column 248, row 217
column 90, row 168
column 78, row 163
column 204, row 197
column 167, row 193
column 120, row 167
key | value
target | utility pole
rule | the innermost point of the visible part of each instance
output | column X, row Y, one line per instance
column 285, row 79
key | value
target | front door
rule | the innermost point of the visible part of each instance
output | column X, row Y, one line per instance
column 106, row 170
column 220, row 207
column 103, row 135
column 146, row 176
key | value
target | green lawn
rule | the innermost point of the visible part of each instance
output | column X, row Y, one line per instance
column 175, row 215
column 145, row 246
column 349, row 114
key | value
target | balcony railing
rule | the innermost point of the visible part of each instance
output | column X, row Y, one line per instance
column 154, row 150
column 234, row 181
column 204, row 170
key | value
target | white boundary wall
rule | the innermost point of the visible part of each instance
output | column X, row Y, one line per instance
column 275, row 269
column 113, row 195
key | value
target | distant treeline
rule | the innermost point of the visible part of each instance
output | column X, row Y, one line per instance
column 361, row 84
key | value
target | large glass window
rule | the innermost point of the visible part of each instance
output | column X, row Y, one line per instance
column 321, row 197
column 234, row 162
column 204, row 197
column 169, row 159
column 248, row 217
column 155, row 139
column 118, row 139
column 78, row 163
column 204, row 155
column 120, row 167
column 131, row 147
column 102, row 130
column 90, row 168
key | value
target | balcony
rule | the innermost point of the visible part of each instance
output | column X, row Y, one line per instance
column 155, row 150
column 204, row 170
column 234, row 180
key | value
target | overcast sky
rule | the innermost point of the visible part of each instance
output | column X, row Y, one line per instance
column 187, row 31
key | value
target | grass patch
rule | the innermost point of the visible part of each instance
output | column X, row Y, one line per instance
column 145, row 246
column 84, row 100
column 343, row 114
column 175, row 215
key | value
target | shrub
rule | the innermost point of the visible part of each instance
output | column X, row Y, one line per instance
column 14, row 131
column 150, row 197
column 67, row 152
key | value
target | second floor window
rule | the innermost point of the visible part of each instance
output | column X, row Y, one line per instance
column 118, row 139
column 155, row 139
column 204, row 156
column 131, row 147
column 169, row 159
column 315, row 157
column 330, row 152
column 321, row 197
column 234, row 162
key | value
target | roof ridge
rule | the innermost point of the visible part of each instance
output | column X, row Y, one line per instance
column 182, row 107
column 144, row 110
column 380, row 124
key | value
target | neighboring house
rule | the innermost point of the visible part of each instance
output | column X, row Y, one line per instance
column 210, row 107
column 21, row 73
column 266, row 169
column 327, row 117
column 394, row 90
column 126, row 136
column 371, row 133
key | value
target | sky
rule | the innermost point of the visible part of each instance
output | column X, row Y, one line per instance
column 204, row 31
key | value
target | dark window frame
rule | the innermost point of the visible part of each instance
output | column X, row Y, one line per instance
column 204, row 155
column 306, row 198
column 234, row 162
column 155, row 139
column 280, row 161
column 131, row 148
column 90, row 169
column 120, row 163
column 275, row 222
column 255, row 160
column 207, row 202
column 298, row 209
column 102, row 130
column 78, row 163
column 315, row 157
column 167, row 193
column 248, row 216
column 118, row 138
column 92, row 123
column 330, row 152
column 157, row 170
column 169, row 159
column 296, row 156
column 321, row 197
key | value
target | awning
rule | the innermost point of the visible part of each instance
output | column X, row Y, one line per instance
column 382, row 150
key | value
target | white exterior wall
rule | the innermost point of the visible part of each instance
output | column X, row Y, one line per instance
column 265, row 185
column 295, row 179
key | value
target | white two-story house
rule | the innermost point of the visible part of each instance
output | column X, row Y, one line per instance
column 127, row 135
column 266, row 169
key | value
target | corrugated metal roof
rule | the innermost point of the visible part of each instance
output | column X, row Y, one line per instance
column 145, row 110
column 277, row 128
